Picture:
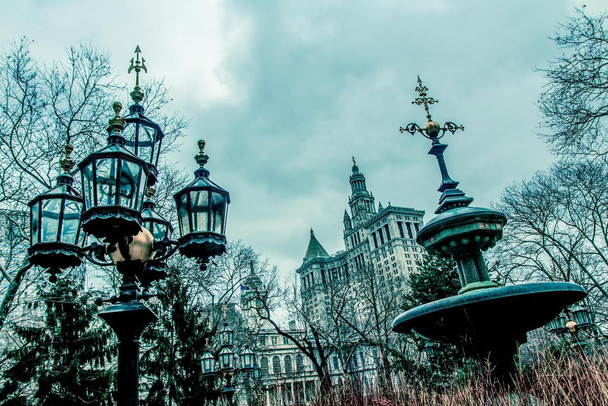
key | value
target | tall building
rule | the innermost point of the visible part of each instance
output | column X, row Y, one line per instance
column 379, row 242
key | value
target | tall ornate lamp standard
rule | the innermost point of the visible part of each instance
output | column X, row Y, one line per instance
column 226, row 364
column 113, row 209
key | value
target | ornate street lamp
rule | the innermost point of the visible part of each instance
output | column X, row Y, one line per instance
column 582, row 316
column 128, row 233
column 201, row 208
column 143, row 136
column 113, row 181
column 54, row 224
column 226, row 364
column 558, row 324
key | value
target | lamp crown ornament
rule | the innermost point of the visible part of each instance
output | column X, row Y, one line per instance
column 137, row 95
column 201, row 158
column 67, row 163
column 116, row 123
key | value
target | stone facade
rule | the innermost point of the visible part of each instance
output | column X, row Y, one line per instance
column 380, row 241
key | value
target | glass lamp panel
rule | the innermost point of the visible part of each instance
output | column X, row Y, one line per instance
column 227, row 336
column 582, row 316
column 35, row 218
column 51, row 211
column 128, row 189
column 226, row 359
column 200, row 210
column 218, row 209
column 208, row 363
column 160, row 231
column 553, row 324
column 71, row 222
column 87, row 186
column 146, row 144
column 247, row 359
column 183, row 214
column 106, row 181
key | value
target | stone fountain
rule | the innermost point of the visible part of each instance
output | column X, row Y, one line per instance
column 486, row 320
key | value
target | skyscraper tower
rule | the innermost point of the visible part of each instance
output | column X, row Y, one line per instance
column 361, row 201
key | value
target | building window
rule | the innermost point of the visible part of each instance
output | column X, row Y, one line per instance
column 285, row 340
column 276, row 365
column 388, row 233
column 263, row 340
column 299, row 363
column 409, row 230
column 288, row 366
column 400, row 227
column 274, row 340
column 381, row 236
column 416, row 226
column 375, row 240
column 336, row 364
column 264, row 366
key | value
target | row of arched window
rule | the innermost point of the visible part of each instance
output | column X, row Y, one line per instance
column 276, row 365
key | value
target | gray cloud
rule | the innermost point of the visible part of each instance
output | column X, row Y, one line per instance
column 286, row 91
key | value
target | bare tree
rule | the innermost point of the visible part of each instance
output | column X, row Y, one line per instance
column 558, row 228
column 575, row 101
column 308, row 338
column 43, row 107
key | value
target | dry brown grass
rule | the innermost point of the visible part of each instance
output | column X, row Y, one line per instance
column 570, row 379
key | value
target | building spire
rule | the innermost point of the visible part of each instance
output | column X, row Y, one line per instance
column 348, row 225
column 315, row 249
column 361, row 201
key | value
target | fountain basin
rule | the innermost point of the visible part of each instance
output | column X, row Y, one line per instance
column 494, row 314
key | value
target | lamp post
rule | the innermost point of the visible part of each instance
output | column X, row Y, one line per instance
column 572, row 321
column 116, row 208
column 225, row 364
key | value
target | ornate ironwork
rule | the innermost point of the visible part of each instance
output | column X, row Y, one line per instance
column 451, row 196
column 137, row 95
column 423, row 99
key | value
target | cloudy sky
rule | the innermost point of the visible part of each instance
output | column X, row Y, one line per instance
column 285, row 92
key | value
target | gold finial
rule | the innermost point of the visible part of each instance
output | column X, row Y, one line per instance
column 201, row 158
column 224, row 309
column 137, row 95
column 67, row 163
column 423, row 99
column 117, row 123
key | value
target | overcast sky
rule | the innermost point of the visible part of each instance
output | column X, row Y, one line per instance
column 285, row 92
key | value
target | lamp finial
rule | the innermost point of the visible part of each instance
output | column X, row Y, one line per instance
column 201, row 158
column 137, row 95
column 67, row 163
column 224, row 309
column 117, row 123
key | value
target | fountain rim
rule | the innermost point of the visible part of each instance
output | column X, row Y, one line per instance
column 481, row 295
